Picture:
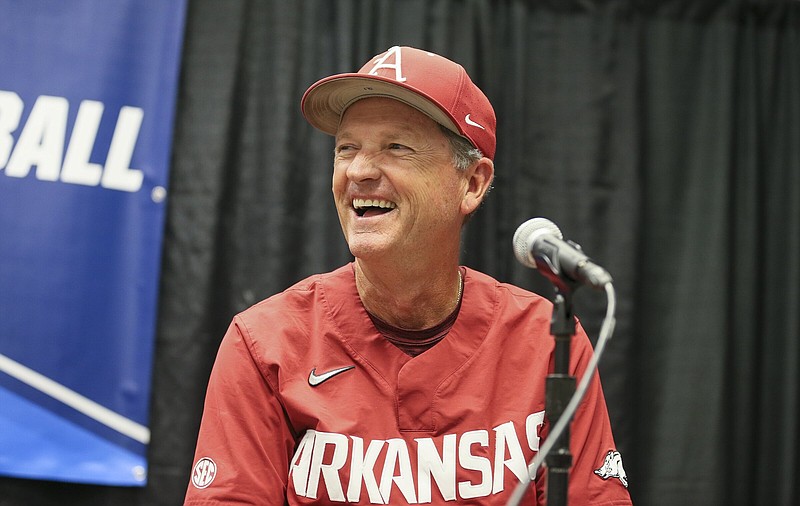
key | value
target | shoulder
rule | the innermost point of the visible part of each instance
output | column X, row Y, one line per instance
column 505, row 294
column 297, row 310
column 289, row 328
column 302, row 296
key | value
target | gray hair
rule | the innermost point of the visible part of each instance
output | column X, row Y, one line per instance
column 464, row 153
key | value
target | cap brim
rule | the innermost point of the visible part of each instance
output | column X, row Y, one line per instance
column 325, row 101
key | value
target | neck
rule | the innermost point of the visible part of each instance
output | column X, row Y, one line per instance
column 411, row 300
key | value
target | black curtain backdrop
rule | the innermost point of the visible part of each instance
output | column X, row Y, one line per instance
column 664, row 136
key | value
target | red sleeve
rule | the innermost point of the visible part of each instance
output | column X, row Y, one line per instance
column 245, row 441
column 597, row 476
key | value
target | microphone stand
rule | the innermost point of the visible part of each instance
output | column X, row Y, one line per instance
column 558, row 390
column 559, row 385
column 566, row 270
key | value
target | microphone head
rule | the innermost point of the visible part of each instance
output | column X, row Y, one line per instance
column 526, row 235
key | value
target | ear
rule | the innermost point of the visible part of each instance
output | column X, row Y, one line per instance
column 479, row 181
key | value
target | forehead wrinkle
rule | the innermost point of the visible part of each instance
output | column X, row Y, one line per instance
column 382, row 130
column 387, row 123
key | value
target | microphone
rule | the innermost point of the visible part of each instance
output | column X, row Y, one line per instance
column 539, row 244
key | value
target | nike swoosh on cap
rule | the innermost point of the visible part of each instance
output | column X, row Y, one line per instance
column 469, row 121
column 315, row 379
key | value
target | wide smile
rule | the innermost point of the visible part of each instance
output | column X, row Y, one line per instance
column 368, row 208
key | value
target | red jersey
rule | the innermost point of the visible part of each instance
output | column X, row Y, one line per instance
column 309, row 404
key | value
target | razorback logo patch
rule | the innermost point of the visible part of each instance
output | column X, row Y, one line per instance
column 612, row 468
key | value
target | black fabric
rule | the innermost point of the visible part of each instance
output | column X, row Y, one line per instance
column 664, row 136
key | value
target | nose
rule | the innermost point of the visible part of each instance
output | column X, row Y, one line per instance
column 363, row 167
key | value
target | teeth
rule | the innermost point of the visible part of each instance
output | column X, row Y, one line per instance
column 364, row 203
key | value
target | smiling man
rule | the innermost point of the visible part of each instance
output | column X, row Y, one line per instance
column 397, row 194
column 402, row 377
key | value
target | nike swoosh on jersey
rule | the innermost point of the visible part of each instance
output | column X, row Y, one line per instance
column 315, row 379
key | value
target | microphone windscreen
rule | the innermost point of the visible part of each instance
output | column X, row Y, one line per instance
column 526, row 235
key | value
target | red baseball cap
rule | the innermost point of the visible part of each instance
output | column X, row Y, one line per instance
column 434, row 85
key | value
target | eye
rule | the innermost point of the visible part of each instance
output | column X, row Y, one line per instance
column 394, row 146
column 344, row 149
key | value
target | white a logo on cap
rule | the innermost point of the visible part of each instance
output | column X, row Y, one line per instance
column 397, row 65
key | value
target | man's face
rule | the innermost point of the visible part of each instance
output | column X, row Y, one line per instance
column 395, row 187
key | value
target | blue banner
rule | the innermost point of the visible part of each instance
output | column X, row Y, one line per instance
column 87, row 101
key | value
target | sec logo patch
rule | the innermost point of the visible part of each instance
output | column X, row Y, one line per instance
column 204, row 472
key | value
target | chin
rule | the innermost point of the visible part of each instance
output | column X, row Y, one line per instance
column 367, row 250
